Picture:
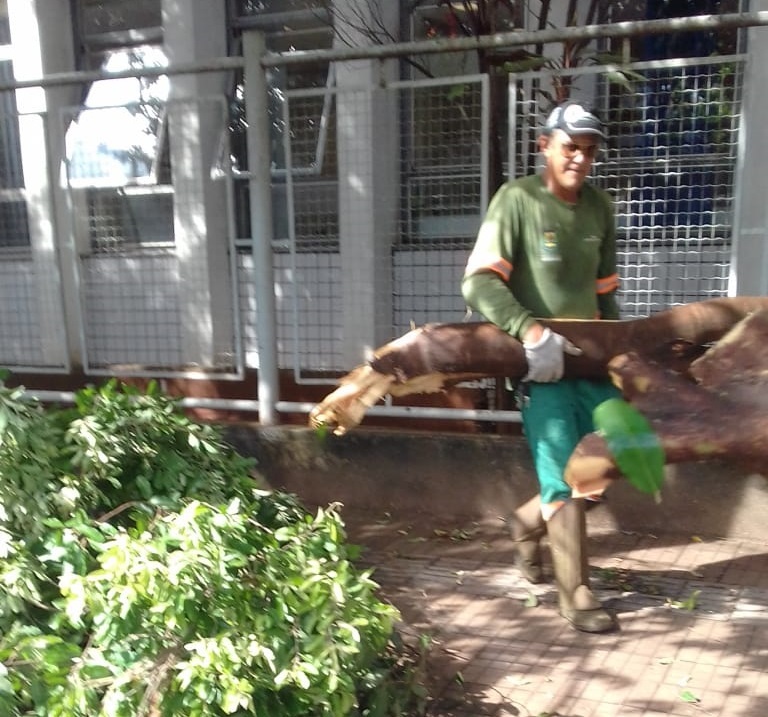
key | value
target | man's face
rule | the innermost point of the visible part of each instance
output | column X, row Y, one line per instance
column 569, row 159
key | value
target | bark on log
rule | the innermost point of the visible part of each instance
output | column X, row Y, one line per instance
column 717, row 409
column 436, row 356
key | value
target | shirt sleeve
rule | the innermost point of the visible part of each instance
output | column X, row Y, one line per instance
column 485, row 284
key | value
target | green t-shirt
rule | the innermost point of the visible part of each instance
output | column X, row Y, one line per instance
column 538, row 256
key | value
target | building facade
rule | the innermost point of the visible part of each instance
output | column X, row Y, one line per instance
column 127, row 213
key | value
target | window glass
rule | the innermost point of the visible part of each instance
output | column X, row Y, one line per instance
column 261, row 7
column 101, row 16
column 117, row 136
column 11, row 175
column 681, row 44
column 118, row 218
column 678, row 125
column 14, row 227
column 441, row 179
column 430, row 22
column 441, row 20
column 5, row 27
column 117, row 149
column 289, row 26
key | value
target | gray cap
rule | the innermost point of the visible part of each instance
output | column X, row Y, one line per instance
column 573, row 118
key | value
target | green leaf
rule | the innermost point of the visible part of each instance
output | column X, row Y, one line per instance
column 531, row 601
column 633, row 444
column 531, row 62
column 456, row 92
column 688, row 696
column 619, row 78
column 690, row 603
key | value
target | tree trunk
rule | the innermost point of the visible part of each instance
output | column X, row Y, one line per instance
column 436, row 356
column 718, row 408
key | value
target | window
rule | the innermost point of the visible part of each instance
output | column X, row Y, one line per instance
column 101, row 17
column 293, row 26
column 679, row 167
column 449, row 20
column 117, row 136
column 117, row 150
column 442, row 182
column 14, row 227
column 118, row 158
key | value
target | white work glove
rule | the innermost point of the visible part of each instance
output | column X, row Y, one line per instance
column 545, row 357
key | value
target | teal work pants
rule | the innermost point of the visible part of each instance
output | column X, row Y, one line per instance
column 556, row 416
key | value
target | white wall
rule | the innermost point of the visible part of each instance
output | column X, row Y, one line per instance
column 367, row 135
column 40, row 47
column 194, row 31
column 749, row 267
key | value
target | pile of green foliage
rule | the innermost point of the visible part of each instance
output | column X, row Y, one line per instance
column 143, row 573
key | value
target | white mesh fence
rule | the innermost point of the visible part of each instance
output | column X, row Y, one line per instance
column 151, row 218
column 669, row 163
column 378, row 191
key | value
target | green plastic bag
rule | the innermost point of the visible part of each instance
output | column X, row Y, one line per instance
column 633, row 444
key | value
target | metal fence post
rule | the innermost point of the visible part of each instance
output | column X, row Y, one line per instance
column 254, row 47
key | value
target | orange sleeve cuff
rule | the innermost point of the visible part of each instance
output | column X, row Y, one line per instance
column 494, row 264
column 607, row 284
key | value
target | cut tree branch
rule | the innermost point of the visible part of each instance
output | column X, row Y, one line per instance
column 436, row 356
column 718, row 408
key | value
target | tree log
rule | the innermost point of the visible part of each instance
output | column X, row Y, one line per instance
column 436, row 356
column 718, row 408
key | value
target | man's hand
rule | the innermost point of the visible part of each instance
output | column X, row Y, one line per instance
column 545, row 356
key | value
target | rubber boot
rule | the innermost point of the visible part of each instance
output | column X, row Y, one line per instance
column 567, row 530
column 527, row 528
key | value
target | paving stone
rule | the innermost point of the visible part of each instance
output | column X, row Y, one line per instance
column 693, row 635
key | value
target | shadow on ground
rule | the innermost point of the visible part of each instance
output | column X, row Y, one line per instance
column 693, row 614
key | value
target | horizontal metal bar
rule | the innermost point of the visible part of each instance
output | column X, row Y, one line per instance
column 248, row 405
column 221, row 404
column 455, row 414
column 516, row 38
column 236, row 375
column 670, row 64
column 58, row 79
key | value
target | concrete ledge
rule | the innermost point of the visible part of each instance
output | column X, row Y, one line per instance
column 483, row 477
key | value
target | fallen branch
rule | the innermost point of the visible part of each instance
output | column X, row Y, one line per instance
column 436, row 356
column 718, row 408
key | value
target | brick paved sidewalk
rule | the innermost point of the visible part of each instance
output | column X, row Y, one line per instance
column 693, row 615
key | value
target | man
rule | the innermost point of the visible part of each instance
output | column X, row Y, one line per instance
column 547, row 249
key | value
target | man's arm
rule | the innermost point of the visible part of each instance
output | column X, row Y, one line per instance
column 489, row 295
column 607, row 273
column 485, row 288
column 485, row 285
column 608, row 305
